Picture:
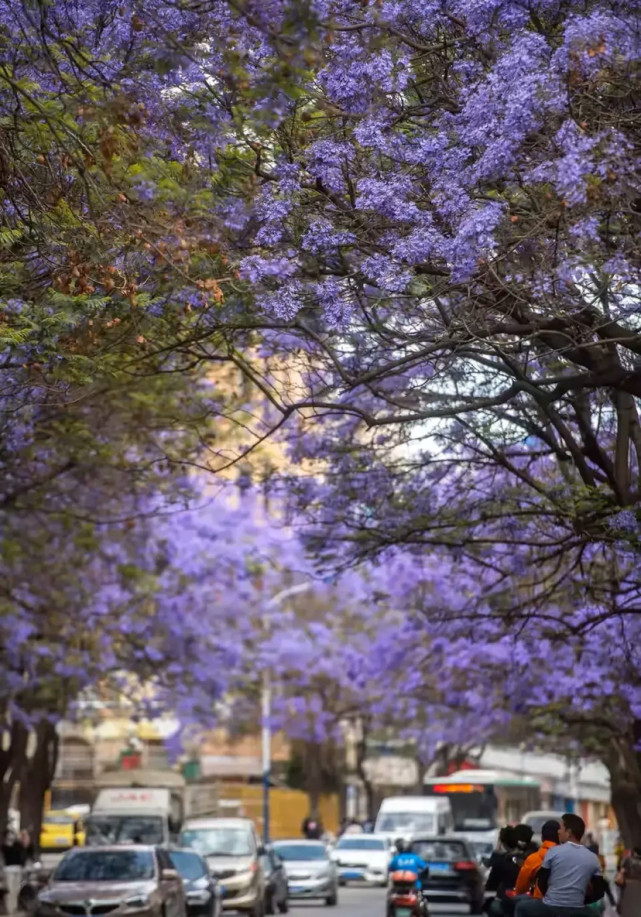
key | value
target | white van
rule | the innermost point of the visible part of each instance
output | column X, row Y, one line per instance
column 411, row 816
column 143, row 815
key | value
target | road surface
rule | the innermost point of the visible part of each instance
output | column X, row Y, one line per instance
column 356, row 901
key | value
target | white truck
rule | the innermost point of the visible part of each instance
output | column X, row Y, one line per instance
column 146, row 808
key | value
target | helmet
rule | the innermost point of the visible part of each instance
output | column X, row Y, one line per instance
column 400, row 844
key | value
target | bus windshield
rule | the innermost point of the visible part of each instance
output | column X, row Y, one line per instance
column 472, row 811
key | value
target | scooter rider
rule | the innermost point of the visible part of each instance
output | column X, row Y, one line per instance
column 407, row 861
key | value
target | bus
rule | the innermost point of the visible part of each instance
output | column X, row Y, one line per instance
column 483, row 800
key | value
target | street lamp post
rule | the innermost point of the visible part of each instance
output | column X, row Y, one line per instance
column 266, row 707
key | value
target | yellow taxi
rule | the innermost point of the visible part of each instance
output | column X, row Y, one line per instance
column 61, row 830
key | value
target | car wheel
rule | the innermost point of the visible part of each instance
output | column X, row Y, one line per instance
column 27, row 900
column 476, row 907
column 332, row 900
column 269, row 902
column 259, row 909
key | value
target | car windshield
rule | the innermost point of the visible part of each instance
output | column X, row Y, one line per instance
column 360, row 843
column 119, row 829
column 406, row 821
column 294, row 852
column 58, row 820
column 105, row 866
column 440, row 850
column 223, row 841
column 189, row 865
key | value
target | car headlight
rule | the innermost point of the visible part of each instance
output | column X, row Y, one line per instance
column 137, row 902
column 323, row 874
column 199, row 884
column 245, row 878
column 45, row 904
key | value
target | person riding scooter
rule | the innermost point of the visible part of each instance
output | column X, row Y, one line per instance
column 408, row 862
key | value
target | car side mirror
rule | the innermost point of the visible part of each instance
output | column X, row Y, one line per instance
column 168, row 875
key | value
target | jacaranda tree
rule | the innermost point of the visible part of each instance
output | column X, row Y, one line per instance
column 414, row 229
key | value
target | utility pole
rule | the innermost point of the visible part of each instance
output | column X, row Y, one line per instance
column 266, row 706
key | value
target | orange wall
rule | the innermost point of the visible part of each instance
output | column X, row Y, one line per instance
column 288, row 808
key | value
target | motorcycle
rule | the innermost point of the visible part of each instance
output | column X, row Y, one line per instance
column 34, row 879
column 405, row 899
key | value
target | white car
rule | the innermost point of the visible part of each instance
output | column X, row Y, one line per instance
column 364, row 857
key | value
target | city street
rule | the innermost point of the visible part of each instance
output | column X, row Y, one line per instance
column 363, row 902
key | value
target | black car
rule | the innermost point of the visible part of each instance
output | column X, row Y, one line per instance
column 454, row 874
column 202, row 892
column 275, row 883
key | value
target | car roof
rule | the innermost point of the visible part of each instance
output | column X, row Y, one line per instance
column 363, row 837
column 224, row 822
column 438, row 838
column 113, row 848
column 303, row 841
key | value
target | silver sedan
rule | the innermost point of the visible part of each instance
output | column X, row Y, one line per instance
column 310, row 871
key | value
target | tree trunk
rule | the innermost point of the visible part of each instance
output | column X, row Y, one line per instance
column 624, row 765
column 368, row 786
column 13, row 746
column 37, row 775
column 314, row 774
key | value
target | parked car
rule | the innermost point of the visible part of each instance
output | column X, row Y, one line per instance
column 310, row 871
column 61, row 831
column 233, row 853
column 363, row 856
column 454, row 874
column 275, row 883
column 92, row 881
column 202, row 890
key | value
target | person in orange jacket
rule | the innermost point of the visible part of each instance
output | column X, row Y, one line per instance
column 526, row 881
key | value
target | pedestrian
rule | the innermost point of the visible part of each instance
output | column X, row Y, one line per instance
column 593, row 847
column 312, row 829
column 629, row 881
column 503, row 870
column 619, row 852
column 11, row 851
column 568, row 873
column 525, row 845
column 27, row 848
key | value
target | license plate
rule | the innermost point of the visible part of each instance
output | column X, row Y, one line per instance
column 403, row 912
column 296, row 889
column 62, row 841
column 439, row 867
column 351, row 874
